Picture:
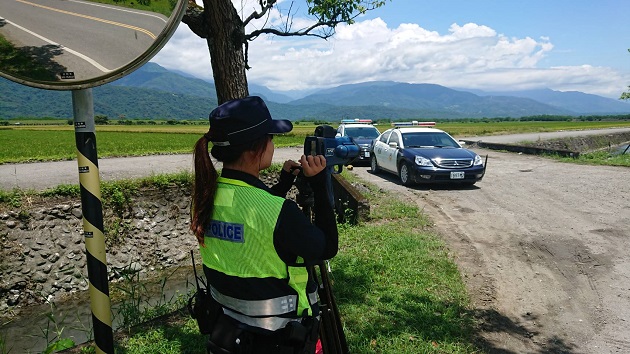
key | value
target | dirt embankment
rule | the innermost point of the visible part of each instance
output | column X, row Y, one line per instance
column 582, row 144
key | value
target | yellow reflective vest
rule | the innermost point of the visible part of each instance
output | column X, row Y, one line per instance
column 239, row 243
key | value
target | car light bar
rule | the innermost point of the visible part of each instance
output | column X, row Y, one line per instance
column 357, row 120
column 413, row 123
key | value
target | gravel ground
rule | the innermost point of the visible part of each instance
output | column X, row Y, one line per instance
column 542, row 246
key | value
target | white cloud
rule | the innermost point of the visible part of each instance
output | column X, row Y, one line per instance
column 186, row 52
column 469, row 55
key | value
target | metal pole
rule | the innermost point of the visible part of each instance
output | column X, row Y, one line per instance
column 84, row 132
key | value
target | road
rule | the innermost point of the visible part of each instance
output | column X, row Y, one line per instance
column 542, row 245
column 40, row 176
column 44, row 175
column 83, row 37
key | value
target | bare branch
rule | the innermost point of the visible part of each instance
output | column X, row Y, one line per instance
column 265, row 6
column 306, row 32
column 309, row 31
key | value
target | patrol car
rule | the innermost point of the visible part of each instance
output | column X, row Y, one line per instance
column 417, row 152
column 363, row 133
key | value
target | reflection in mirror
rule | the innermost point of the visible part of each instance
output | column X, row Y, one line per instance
column 65, row 44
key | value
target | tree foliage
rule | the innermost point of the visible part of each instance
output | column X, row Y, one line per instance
column 226, row 31
column 626, row 95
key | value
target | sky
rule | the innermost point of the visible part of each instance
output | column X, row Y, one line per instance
column 490, row 45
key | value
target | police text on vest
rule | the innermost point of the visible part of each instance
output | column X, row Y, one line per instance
column 226, row 231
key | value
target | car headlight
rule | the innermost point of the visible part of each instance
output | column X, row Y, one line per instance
column 422, row 161
column 478, row 161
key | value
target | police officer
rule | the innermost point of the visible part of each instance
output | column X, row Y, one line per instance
column 256, row 245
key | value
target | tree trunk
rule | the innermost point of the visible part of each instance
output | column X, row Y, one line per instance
column 225, row 42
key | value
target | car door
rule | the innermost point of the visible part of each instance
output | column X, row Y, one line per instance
column 380, row 147
column 391, row 153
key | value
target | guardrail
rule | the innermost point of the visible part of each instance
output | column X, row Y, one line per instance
column 351, row 206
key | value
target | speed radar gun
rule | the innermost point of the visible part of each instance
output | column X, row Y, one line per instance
column 338, row 151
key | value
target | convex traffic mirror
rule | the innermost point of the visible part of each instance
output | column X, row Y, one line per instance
column 78, row 44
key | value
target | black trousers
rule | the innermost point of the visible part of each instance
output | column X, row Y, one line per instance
column 231, row 337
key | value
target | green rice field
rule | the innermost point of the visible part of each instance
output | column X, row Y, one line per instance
column 42, row 140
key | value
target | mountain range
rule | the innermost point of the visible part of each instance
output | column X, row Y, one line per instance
column 153, row 92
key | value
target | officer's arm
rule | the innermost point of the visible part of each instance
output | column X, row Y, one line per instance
column 285, row 182
column 294, row 235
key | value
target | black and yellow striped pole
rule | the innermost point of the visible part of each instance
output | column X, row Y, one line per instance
column 85, row 136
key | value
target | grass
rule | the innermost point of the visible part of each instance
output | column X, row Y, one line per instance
column 172, row 337
column 164, row 7
column 599, row 158
column 26, row 145
column 56, row 142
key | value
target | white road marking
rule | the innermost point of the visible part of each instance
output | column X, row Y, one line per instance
column 119, row 9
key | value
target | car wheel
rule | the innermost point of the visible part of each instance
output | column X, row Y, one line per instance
column 374, row 165
column 405, row 174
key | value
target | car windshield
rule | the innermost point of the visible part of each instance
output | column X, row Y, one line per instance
column 362, row 132
column 428, row 139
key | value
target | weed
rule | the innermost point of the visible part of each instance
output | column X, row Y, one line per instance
column 24, row 215
column 118, row 195
column 88, row 349
column 13, row 199
column 138, row 304
column 166, row 181
column 63, row 190
column 116, row 230
column 3, row 344
column 53, row 333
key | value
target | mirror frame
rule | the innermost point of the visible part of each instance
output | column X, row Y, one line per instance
column 161, row 40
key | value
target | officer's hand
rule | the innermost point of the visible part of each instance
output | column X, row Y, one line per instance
column 312, row 165
column 291, row 167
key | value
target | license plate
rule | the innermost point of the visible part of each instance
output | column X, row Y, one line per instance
column 367, row 154
column 457, row 175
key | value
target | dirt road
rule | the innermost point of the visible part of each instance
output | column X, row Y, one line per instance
column 543, row 248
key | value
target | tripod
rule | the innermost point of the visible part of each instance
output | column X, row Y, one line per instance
column 331, row 330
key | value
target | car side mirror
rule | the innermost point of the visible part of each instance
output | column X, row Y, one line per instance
column 393, row 145
column 338, row 135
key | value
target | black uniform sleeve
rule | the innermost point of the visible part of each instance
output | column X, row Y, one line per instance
column 296, row 236
column 285, row 182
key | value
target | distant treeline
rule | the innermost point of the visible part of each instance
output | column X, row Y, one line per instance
column 537, row 118
column 104, row 120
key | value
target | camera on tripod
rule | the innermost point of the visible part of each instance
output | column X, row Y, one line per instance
column 338, row 151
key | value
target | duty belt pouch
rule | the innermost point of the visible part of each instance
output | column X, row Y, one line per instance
column 295, row 333
column 228, row 336
column 202, row 306
column 312, row 325
column 301, row 337
column 205, row 309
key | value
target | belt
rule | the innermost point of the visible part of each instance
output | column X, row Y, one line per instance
column 269, row 307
